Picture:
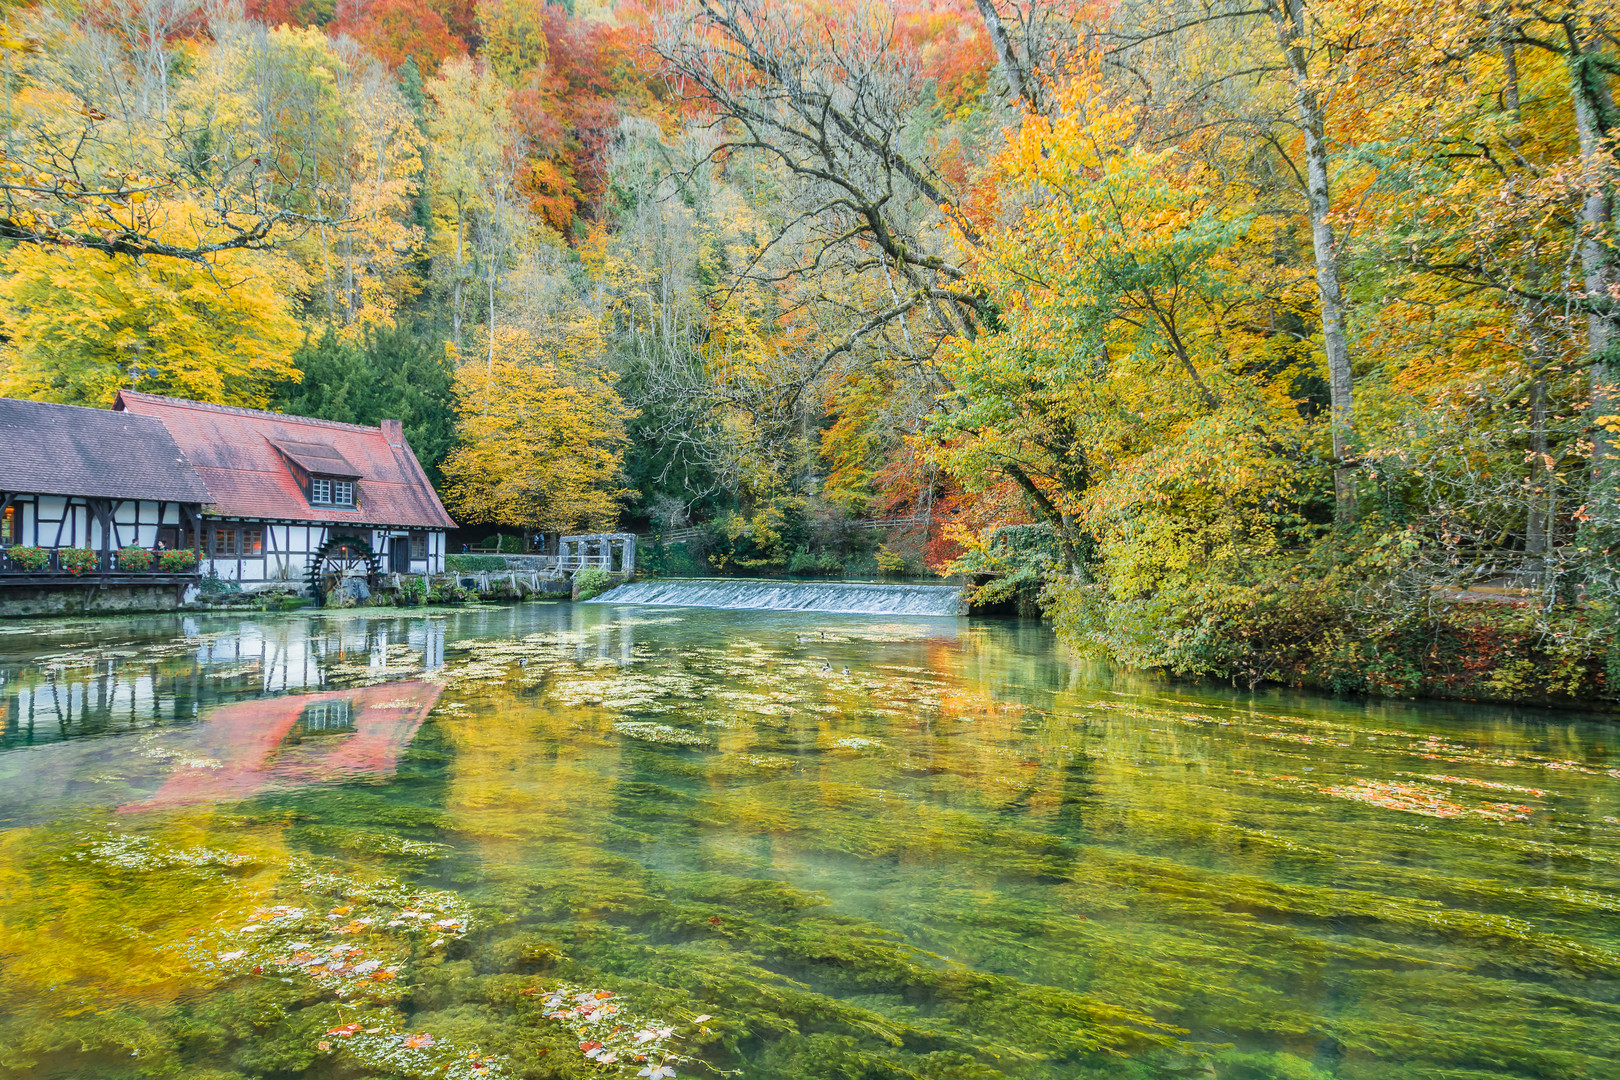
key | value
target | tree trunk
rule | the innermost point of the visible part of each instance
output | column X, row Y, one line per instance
column 1594, row 110
column 1288, row 17
column 1536, row 538
column 1045, row 508
column 1017, row 80
column 455, row 299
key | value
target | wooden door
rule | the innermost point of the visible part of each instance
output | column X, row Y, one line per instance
column 399, row 554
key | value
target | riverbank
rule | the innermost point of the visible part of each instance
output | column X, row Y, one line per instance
column 1500, row 649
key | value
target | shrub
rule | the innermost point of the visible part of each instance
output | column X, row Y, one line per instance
column 592, row 582
column 177, row 562
column 659, row 559
column 213, row 585
column 465, row 563
column 413, row 590
column 823, row 562
column 893, row 563
column 30, row 558
column 1314, row 631
column 78, row 561
column 134, row 560
column 448, row 591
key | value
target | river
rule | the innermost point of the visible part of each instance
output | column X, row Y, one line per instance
column 594, row 840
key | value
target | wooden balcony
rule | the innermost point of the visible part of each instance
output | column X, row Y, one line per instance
column 100, row 570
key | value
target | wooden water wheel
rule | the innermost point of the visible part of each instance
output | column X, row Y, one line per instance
column 338, row 559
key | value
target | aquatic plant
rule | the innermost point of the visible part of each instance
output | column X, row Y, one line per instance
column 659, row 733
column 612, row 1035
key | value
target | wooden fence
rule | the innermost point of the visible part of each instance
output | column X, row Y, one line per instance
column 681, row 536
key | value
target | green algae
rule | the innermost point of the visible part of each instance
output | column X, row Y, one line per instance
column 966, row 859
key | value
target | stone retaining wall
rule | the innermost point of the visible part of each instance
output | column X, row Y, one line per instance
column 26, row 600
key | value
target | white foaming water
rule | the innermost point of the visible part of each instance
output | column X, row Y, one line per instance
column 749, row 594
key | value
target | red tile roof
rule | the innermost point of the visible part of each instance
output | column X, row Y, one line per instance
column 235, row 452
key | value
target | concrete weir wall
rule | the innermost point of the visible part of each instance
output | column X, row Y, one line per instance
column 25, row 600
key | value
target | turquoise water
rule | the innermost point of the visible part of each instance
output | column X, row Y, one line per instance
column 586, row 840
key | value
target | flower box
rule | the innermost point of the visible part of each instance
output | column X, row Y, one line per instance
column 29, row 558
column 78, row 561
column 177, row 562
column 134, row 560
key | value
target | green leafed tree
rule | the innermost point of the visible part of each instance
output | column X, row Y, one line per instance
column 389, row 373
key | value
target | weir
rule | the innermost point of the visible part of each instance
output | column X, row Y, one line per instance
column 830, row 597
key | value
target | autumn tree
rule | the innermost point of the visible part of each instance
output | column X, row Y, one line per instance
column 80, row 325
column 102, row 144
column 394, row 31
column 470, row 166
column 1132, row 367
column 541, row 444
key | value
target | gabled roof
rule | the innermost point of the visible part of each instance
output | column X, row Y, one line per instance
column 238, row 454
column 49, row 449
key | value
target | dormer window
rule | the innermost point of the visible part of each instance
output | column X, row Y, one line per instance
column 324, row 491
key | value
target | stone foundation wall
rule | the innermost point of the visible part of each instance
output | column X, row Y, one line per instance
column 27, row 600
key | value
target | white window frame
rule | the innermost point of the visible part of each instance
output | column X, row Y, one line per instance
column 320, row 491
column 343, row 493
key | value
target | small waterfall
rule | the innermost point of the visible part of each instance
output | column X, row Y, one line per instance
column 832, row 597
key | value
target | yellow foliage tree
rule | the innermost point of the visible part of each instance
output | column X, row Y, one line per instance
column 1136, row 375
column 82, row 324
column 542, row 443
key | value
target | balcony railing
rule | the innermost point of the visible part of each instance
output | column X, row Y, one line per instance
column 79, row 563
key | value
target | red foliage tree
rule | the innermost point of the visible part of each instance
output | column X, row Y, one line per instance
column 395, row 30
column 291, row 12
column 569, row 111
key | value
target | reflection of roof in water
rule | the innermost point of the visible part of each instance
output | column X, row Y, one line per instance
column 296, row 741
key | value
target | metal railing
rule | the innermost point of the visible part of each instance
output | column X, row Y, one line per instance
column 566, row 563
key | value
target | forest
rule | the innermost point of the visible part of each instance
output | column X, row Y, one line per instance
column 1276, row 341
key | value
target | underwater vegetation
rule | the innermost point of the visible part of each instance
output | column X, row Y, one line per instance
column 690, row 844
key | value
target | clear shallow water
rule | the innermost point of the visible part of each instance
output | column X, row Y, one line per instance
column 226, row 842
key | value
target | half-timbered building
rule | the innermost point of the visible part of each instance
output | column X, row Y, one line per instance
column 302, row 501
column 94, row 480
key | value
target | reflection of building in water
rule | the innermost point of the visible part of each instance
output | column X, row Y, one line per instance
column 282, row 743
column 615, row 638
column 68, row 697
column 67, row 702
column 427, row 637
column 335, row 714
